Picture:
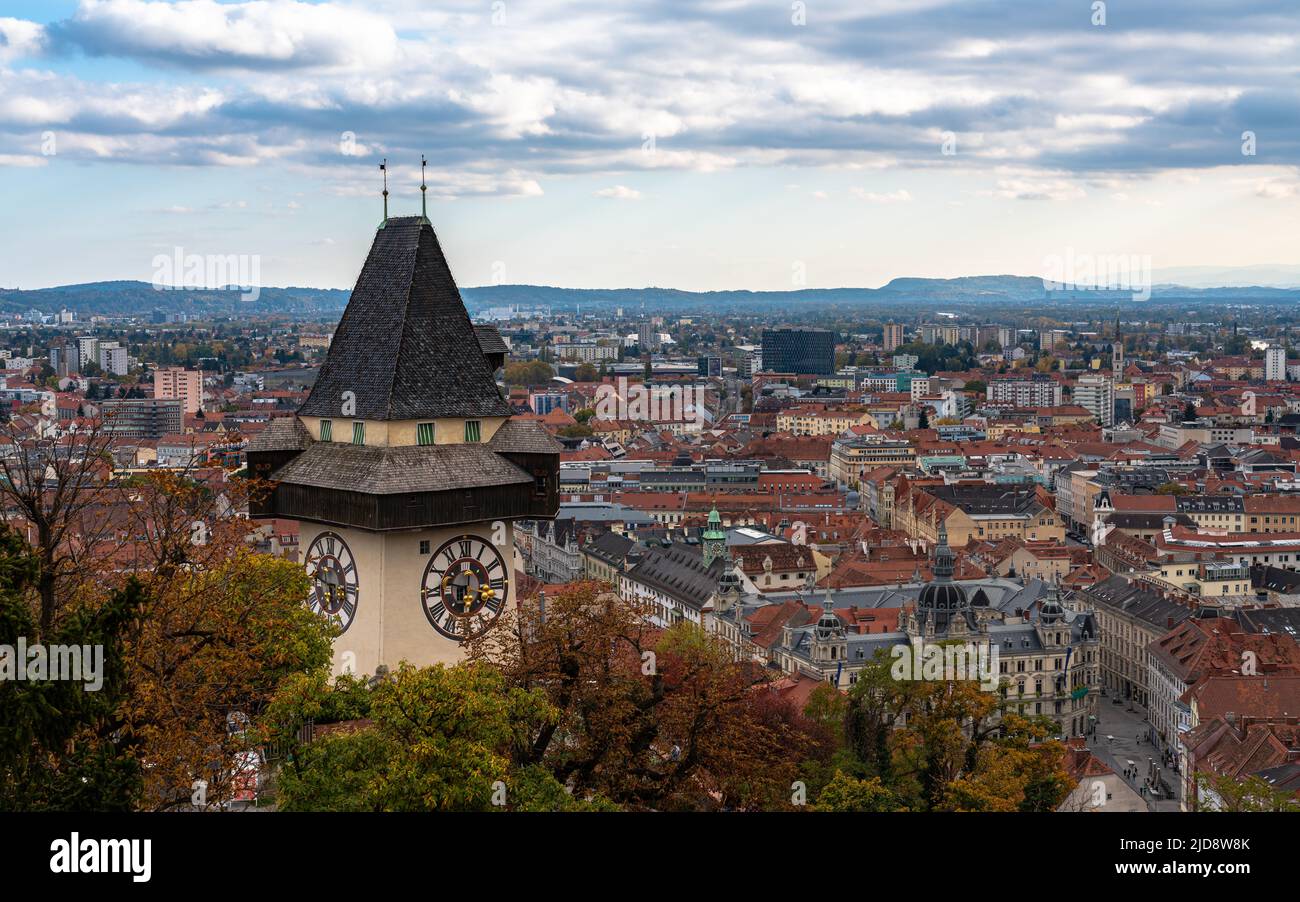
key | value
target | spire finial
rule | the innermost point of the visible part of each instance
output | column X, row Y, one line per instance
column 424, row 210
column 383, row 167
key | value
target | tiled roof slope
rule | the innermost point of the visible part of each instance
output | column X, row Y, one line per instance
column 405, row 346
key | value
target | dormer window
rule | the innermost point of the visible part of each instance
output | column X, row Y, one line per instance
column 473, row 431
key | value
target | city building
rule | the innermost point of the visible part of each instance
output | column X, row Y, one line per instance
column 149, row 418
column 1096, row 395
column 113, row 359
column 1131, row 616
column 1042, row 655
column 1275, row 364
column 801, row 351
column 1038, row 390
column 176, row 382
column 893, row 337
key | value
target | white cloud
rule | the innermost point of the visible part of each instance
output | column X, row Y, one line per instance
column 870, row 86
column 1035, row 188
column 619, row 192
column 263, row 34
column 516, row 107
column 19, row 38
column 901, row 196
column 1278, row 189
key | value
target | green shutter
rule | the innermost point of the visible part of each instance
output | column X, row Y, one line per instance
column 358, row 433
column 472, row 432
column 327, row 430
column 424, row 434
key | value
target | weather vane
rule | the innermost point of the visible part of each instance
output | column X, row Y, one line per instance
column 424, row 210
column 383, row 167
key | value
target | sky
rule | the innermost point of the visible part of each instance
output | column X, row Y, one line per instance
column 677, row 143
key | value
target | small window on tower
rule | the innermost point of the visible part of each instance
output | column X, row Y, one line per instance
column 424, row 546
column 473, row 430
column 424, row 434
column 358, row 433
column 327, row 430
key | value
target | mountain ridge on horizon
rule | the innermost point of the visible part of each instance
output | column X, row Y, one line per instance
column 132, row 297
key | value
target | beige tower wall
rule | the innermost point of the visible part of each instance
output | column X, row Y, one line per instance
column 390, row 626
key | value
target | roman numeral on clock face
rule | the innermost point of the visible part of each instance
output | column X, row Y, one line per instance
column 464, row 587
column 335, row 590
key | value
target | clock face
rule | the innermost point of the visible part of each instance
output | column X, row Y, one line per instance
column 333, row 574
column 465, row 587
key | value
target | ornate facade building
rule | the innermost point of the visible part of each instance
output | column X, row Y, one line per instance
column 550, row 549
column 1043, row 652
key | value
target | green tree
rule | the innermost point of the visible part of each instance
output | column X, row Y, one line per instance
column 1220, row 792
column 439, row 739
column 60, row 746
column 846, row 793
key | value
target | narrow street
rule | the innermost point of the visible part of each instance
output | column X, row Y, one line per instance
column 1122, row 738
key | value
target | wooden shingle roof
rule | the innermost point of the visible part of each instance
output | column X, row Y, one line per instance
column 281, row 434
column 520, row 436
column 405, row 348
column 409, row 468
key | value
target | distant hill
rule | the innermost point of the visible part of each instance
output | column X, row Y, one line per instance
column 141, row 298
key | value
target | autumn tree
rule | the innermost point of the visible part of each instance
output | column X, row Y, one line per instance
column 530, row 374
column 648, row 718
column 223, row 626
column 949, row 745
column 215, row 627
column 54, row 483
column 1016, row 771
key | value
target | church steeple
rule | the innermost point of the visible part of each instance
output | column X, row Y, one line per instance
column 942, row 601
column 944, row 563
column 714, row 538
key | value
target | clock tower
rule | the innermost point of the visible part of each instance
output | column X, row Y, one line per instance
column 404, row 466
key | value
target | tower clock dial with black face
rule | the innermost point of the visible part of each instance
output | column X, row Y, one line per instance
column 333, row 574
column 464, row 588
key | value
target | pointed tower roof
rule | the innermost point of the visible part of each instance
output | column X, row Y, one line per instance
column 405, row 347
column 944, row 565
column 714, row 530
